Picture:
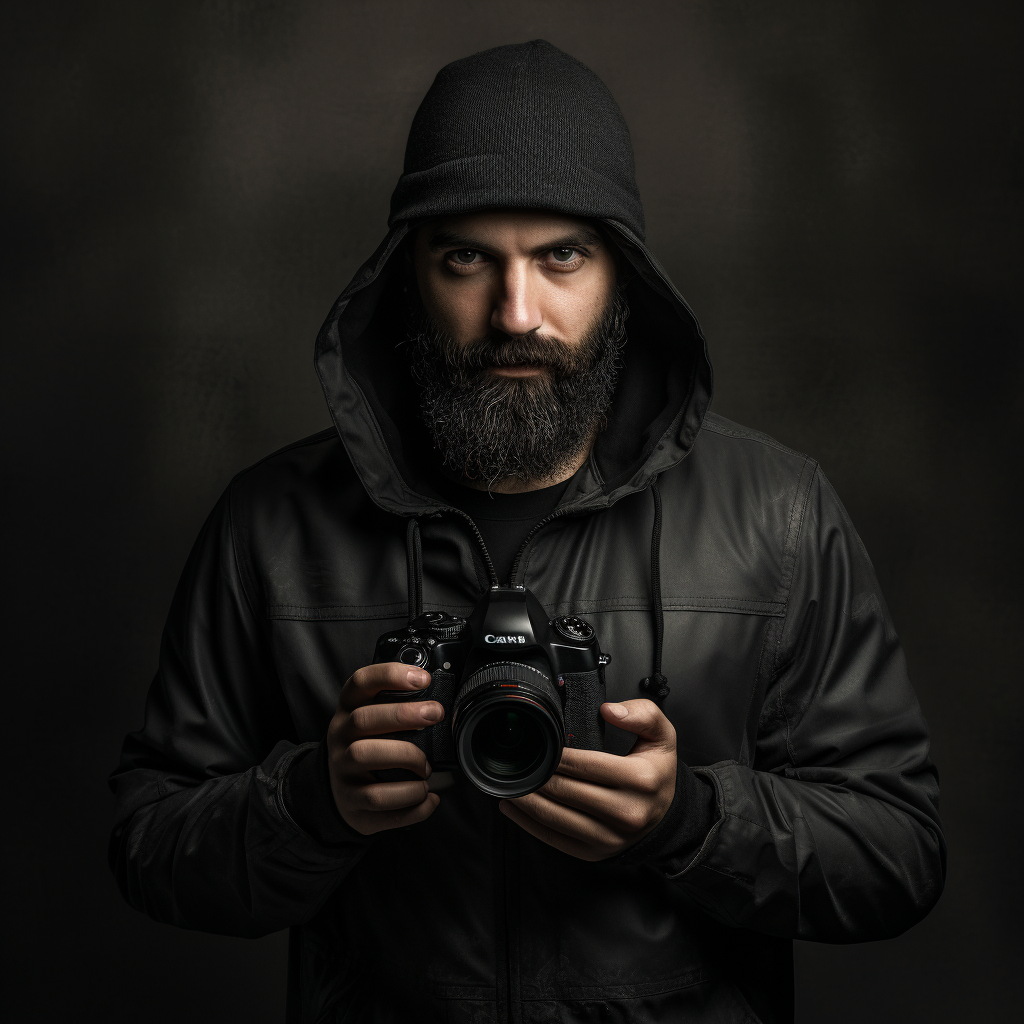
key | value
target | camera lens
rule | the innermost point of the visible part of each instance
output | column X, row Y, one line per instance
column 508, row 743
column 507, row 728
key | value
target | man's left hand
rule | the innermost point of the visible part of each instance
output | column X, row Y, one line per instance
column 598, row 804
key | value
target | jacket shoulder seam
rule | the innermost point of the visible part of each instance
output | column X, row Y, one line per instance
column 319, row 437
column 306, row 442
column 241, row 567
column 747, row 434
column 791, row 554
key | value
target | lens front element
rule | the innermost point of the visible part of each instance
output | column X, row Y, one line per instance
column 508, row 743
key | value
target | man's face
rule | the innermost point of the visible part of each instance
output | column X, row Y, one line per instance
column 516, row 342
column 514, row 272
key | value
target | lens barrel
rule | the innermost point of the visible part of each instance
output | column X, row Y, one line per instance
column 508, row 729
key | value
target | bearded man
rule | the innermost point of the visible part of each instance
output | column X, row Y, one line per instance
column 520, row 406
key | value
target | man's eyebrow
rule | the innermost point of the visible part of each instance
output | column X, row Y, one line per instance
column 580, row 236
column 445, row 240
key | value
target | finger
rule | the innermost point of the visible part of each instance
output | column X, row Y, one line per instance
column 569, row 841
column 625, row 813
column 388, row 796
column 630, row 771
column 567, row 820
column 644, row 718
column 368, row 755
column 369, row 822
column 374, row 719
column 365, row 683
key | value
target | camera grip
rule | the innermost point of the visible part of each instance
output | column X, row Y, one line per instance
column 584, row 695
column 435, row 740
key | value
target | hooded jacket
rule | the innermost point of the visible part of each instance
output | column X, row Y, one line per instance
column 697, row 548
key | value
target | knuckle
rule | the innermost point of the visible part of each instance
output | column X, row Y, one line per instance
column 361, row 676
column 635, row 818
column 360, row 752
column 365, row 720
column 373, row 798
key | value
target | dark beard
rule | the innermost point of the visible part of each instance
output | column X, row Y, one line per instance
column 492, row 428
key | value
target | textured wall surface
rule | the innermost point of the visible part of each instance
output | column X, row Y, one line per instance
column 835, row 187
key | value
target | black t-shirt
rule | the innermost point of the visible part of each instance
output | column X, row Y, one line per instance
column 504, row 520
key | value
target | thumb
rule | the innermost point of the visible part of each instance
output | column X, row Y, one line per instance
column 643, row 717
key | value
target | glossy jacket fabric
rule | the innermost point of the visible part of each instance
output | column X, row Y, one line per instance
column 788, row 693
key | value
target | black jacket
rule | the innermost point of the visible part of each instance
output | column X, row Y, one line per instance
column 788, row 693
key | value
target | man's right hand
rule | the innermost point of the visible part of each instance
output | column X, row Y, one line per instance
column 353, row 751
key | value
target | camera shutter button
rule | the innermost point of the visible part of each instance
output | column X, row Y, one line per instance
column 413, row 654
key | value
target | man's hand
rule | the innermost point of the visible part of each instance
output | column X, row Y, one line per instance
column 597, row 804
column 353, row 753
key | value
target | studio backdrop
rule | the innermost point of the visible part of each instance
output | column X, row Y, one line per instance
column 835, row 188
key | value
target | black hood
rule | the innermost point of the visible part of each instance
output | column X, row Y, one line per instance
column 525, row 126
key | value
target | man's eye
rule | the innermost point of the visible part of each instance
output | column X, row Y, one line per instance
column 464, row 256
column 563, row 255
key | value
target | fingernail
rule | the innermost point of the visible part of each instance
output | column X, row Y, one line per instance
column 418, row 676
column 430, row 712
column 618, row 710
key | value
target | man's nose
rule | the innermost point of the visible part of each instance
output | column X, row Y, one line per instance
column 516, row 306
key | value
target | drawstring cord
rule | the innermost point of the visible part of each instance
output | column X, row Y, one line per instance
column 655, row 685
column 414, row 568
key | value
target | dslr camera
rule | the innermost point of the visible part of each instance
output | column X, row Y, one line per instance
column 516, row 687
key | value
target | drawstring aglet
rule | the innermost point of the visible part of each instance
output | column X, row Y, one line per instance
column 656, row 687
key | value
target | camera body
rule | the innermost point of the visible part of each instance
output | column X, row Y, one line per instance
column 516, row 687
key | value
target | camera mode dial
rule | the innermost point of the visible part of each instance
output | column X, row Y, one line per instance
column 574, row 628
column 444, row 626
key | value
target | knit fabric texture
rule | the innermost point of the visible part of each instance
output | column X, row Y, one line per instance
column 523, row 125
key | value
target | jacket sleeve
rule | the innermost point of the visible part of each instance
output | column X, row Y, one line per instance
column 833, row 833
column 202, row 836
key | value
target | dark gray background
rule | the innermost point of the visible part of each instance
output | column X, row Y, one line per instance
column 836, row 188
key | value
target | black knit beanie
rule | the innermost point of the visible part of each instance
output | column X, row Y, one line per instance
column 524, row 125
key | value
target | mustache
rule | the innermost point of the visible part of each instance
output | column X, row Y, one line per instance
column 498, row 349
